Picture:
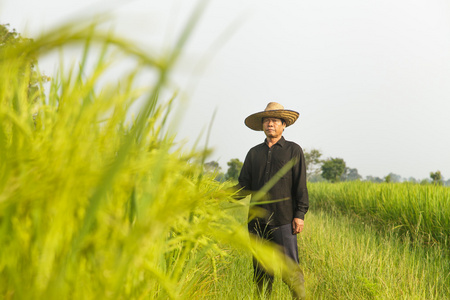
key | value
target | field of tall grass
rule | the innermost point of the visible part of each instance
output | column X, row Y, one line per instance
column 420, row 211
column 378, row 241
column 343, row 258
column 96, row 203
column 345, row 255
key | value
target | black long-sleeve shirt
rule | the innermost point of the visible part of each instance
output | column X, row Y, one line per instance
column 290, row 193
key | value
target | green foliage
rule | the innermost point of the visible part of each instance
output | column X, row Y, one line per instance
column 374, row 179
column 419, row 212
column 12, row 42
column 412, row 180
column 11, row 38
column 436, row 177
column 345, row 257
column 425, row 181
column 378, row 241
column 234, row 169
column 394, row 178
column 212, row 166
column 350, row 174
column 312, row 160
column 333, row 168
column 316, row 178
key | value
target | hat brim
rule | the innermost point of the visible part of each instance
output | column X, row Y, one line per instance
column 254, row 121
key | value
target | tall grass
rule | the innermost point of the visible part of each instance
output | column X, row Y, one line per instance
column 344, row 258
column 95, row 204
column 421, row 212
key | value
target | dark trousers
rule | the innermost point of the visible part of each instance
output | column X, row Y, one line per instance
column 282, row 236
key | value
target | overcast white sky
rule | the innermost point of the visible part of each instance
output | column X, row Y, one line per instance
column 371, row 79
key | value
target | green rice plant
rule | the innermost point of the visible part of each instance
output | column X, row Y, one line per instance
column 421, row 212
column 94, row 203
column 344, row 258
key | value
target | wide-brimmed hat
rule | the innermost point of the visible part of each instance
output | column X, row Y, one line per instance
column 273, row 110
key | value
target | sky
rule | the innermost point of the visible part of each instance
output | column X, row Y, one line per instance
column 370, row 79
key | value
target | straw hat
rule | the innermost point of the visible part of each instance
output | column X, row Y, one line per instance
column 273, row 110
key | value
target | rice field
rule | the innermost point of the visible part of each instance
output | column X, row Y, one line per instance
column 98, row 204
column 421, row 212
column 342, row 258
column 348, row 255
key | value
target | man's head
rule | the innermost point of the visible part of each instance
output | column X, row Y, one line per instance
column 273, row 127
column 273, row 111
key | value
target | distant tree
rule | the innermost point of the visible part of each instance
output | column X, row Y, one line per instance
column 350, row 175
column 436, row 177
column 412, row 180
column 316, row 178
column 394, row 177
column 220, row 177
column 388, row 178
column 212, row 166
column 234, row 168
column 425, row 181
column 313, row 162
column 333, row 168
column 374, row 179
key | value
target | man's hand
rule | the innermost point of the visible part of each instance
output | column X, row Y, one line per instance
column 297, row 225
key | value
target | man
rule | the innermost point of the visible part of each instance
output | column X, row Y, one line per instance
column 283, row 217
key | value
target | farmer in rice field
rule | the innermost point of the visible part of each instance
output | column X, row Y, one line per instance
column 282, row 218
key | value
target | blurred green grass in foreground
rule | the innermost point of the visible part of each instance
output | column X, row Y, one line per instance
column 95, row 204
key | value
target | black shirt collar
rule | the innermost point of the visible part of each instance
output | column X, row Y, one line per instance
column 280, row 142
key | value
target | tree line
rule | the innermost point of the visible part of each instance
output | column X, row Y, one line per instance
column 332, row 169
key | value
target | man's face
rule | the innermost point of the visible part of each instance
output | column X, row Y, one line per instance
column 273, row 127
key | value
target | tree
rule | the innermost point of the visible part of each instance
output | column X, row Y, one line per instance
column 316, row 178
column 393, row 178
column 374, row 179
column 333, row 168
column 388, row 178
column 214, row 167
column 425, row 181
column 234, row 169
column 312, row 161
column 211, row 167
column 436, row 177
column 412, row 180
column 350, row 175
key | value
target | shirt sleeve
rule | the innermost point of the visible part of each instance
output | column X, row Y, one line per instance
column 243, row 187
column 299, row 188
column 245, row 177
